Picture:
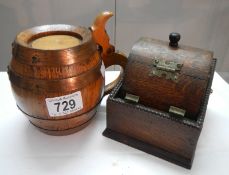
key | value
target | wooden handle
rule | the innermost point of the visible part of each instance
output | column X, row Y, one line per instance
column 100, row 35
column 116, row 58
column 109, row 56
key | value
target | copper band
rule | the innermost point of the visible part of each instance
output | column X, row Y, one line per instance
column 66, row 84
column 54, row 57
column 52, row 72
column 23, row 52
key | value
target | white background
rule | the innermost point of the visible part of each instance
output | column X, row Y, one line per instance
column 25, row 150
column 201, row 23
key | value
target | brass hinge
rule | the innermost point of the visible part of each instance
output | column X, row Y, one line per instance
column 132, row 98
column 177, row 111
column 169, row 69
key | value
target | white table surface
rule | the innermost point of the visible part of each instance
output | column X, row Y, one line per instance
column 25, row 150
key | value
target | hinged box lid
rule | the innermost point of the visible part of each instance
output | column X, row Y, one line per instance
column 168, row 76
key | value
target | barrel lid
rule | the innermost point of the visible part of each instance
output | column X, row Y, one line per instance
column 195, row 62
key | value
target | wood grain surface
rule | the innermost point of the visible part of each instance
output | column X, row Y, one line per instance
column 38, row 74
column 161, row 93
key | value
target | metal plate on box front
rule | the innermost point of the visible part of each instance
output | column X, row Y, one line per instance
column 168, row 69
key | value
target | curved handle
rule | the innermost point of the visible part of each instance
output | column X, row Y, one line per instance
column 100, row 35
column 109, row 56
column 116, row 58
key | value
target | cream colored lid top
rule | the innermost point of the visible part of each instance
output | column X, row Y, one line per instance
column 55, row 42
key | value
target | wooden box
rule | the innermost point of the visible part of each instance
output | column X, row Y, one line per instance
column 155, row 128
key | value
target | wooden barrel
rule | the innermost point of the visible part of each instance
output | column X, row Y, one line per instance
column 58, row 90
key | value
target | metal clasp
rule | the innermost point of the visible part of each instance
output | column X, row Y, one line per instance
column 169, row 69
column 132, row 98
column 177, row 111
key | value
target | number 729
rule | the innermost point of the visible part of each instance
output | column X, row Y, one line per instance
column 65, row 105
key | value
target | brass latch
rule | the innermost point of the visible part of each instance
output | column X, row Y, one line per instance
column 177, row 111
column 132, row 98
column 169, row 69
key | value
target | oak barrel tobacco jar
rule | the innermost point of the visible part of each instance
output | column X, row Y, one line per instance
column 57, row 74
column 160, row 104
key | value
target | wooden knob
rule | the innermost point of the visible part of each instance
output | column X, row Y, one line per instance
column 174, row 39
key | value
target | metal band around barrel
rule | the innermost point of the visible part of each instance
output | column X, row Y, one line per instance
column 62, row 57
column 66, row 84
column 41, row 72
